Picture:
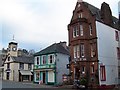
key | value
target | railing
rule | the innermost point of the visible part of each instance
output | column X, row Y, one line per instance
column 44, row 66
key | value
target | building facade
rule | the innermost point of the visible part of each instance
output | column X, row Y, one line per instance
column 50, row 64
column 94, row 44
column 17, row 68
column 3, row 56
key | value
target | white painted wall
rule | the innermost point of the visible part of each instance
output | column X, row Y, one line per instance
column 107, row 52
column 61, row 61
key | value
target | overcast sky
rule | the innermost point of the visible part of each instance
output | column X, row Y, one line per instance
column 37, row 24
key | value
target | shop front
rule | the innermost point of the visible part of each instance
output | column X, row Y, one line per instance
column 25, row 75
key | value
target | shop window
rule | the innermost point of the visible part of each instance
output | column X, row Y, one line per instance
column 37, row 76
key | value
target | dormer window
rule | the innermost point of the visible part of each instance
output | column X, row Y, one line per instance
column 8, row 58
column 80, row 15
column 79, row 5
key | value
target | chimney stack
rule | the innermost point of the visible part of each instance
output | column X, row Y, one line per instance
column 106, row 14
column 63, row 44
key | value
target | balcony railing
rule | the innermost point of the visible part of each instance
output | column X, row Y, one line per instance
column 46, row 66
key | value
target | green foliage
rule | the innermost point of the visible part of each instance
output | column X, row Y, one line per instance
column 83, row 81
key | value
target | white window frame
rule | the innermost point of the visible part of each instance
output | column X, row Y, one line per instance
column 75, row 32
column 83, row 67
column 90, row 29
column 81, row 30
column 92, row 69
column 80, row 15
column 91, row 49
column 75, row 52
column 36, row 60
column 78, row 51
column 42, row 60
column 82, row 50
column 53, row 58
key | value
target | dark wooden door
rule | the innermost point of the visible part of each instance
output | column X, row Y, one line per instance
column 43, row 77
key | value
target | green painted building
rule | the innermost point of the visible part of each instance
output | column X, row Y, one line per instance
column 50, row 64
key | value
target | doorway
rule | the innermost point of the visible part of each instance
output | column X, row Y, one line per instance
column 7, row 75
column 43, row 77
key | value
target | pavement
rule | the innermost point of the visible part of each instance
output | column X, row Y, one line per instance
column 13, row 84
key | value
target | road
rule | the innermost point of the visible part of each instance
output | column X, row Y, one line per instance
column 13, row 84
column 7, row 85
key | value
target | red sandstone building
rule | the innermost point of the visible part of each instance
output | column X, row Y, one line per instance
column 94, row 45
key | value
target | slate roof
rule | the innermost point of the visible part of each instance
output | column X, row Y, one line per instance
column 97, row 12
column 54, row 48
column 23, row 59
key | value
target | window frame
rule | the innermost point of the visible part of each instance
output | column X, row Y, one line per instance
column 81, row 30
column 102, row 73
column 29, row 66
column 92, row 49
column 37, row 76
column 21, row 66
column 75, row 31
column 37, row 60
column 51, row 59
column 118, row 52
column 80, row 15
column 82, row 50
column 44, row 60
column 83, row 69
column 90, row 29
column 76, row 51
column 8, row 58
column 117, row 35
column 92, row 69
